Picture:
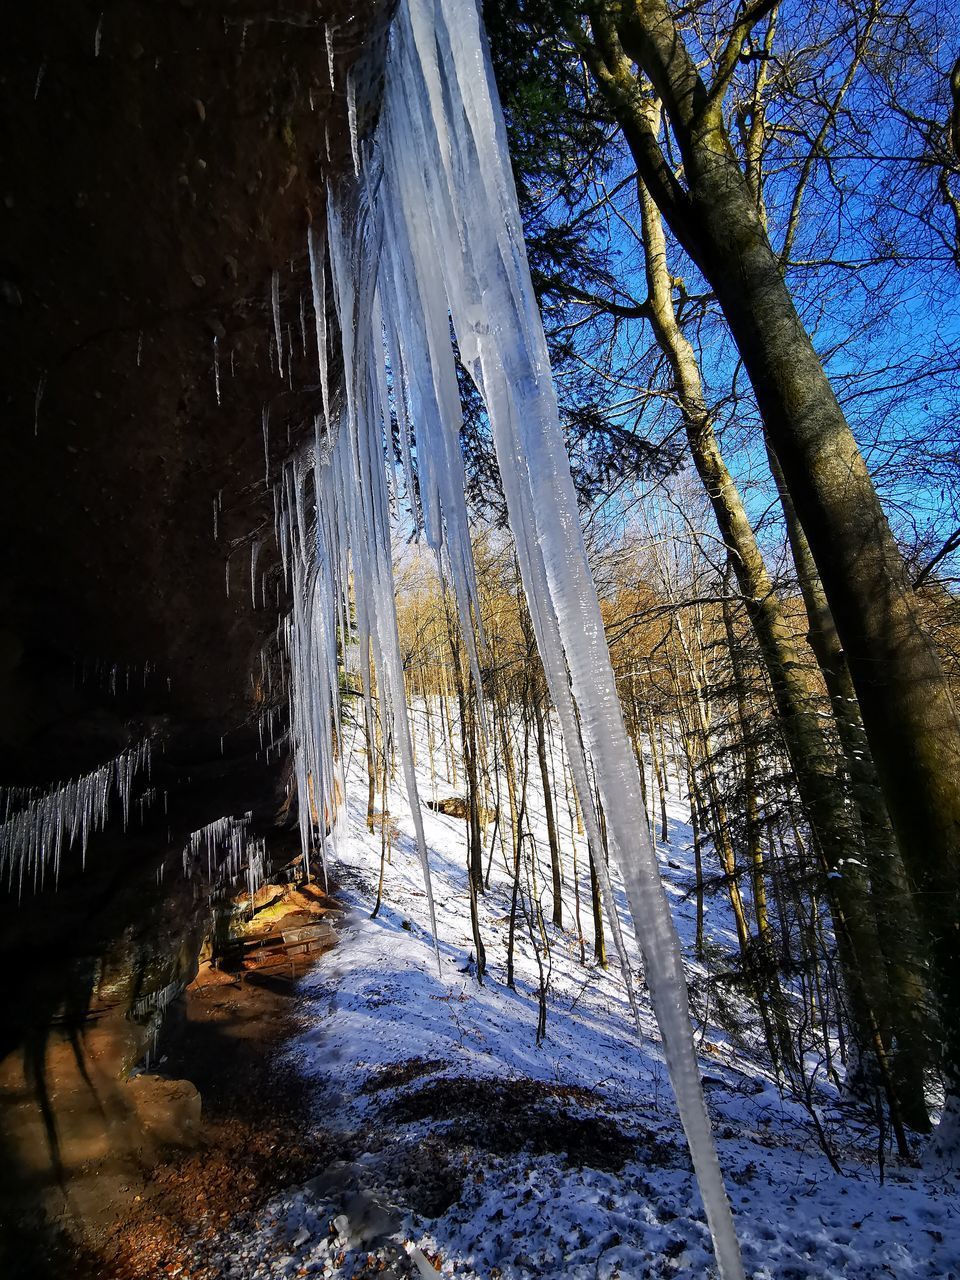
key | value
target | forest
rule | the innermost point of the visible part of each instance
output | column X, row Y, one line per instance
column 741, row 224
column 522, row 838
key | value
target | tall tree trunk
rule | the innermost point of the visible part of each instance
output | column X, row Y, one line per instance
column 810, row 755
column 763, row 953
column 659, row 778
column 368, row 732
column 596, row 901
column 696, row 826
column 812, row 758
column 548, row 806
column 900, row 930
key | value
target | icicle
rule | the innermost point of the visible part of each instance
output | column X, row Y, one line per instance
column 97, row 37
column 219, row 849
column 35, row 828
column 472, row 207
column 328, row 34
column 216, row 366
column 255, row 546
column 41, row 387
column 352, row 120
column 275, row 303
column 265, row 426
column 318, row 287
column 432, row 232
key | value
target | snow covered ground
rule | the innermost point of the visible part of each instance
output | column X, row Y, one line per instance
column 469, row 1149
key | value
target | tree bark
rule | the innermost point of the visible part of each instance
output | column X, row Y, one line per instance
column 900, row 930
column 548, row 806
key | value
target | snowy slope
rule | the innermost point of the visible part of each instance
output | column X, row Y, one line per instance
column 495, row 1157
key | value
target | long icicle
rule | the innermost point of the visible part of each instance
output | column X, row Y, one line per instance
column 442, row 96
column 431, row 232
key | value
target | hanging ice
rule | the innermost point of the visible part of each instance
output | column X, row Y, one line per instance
column 329, row 38
column 352, row 120
column 275, row 306
column 428, row 233
column 223, row 849
column 35, row 827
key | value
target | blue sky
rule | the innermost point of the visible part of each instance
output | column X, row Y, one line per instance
column 876, row 284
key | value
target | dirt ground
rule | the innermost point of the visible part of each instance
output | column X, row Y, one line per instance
column 156, row 1216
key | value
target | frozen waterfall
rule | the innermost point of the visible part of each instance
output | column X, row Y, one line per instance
column 430, row 232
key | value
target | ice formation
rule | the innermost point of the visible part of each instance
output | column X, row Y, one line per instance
column 34, row 828
column 275, row 305
column 224, row 851
column 429, row 233
column 151, row 1010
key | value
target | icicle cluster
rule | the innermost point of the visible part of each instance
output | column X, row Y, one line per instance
column 224, row 852
column 157, row 1001
column 220, row 848
column 36, row 828
column 110, row 676
column 430, row 233
column 152, row 1010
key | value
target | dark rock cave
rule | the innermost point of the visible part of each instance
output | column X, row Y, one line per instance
column 162, row 164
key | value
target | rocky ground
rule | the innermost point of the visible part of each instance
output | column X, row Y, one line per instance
column 218, row 1125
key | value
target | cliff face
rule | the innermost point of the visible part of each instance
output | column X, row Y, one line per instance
column 162, row 163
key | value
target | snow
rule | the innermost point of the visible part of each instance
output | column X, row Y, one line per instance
column 522, row 1210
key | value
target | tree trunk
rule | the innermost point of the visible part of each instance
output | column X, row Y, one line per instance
column 659, row 778
column 812, row 758
column 900, row 931
column 371, row 772
column 599, row 945
column 550, row 815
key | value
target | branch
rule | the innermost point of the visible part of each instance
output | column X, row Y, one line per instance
column 639, row 311
column 566, row 292
column 816, row 148
column 951, row 544
column 727, row 62
column 617, row 628
column 613, row 72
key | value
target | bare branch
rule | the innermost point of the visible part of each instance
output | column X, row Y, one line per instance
column 951, row 544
